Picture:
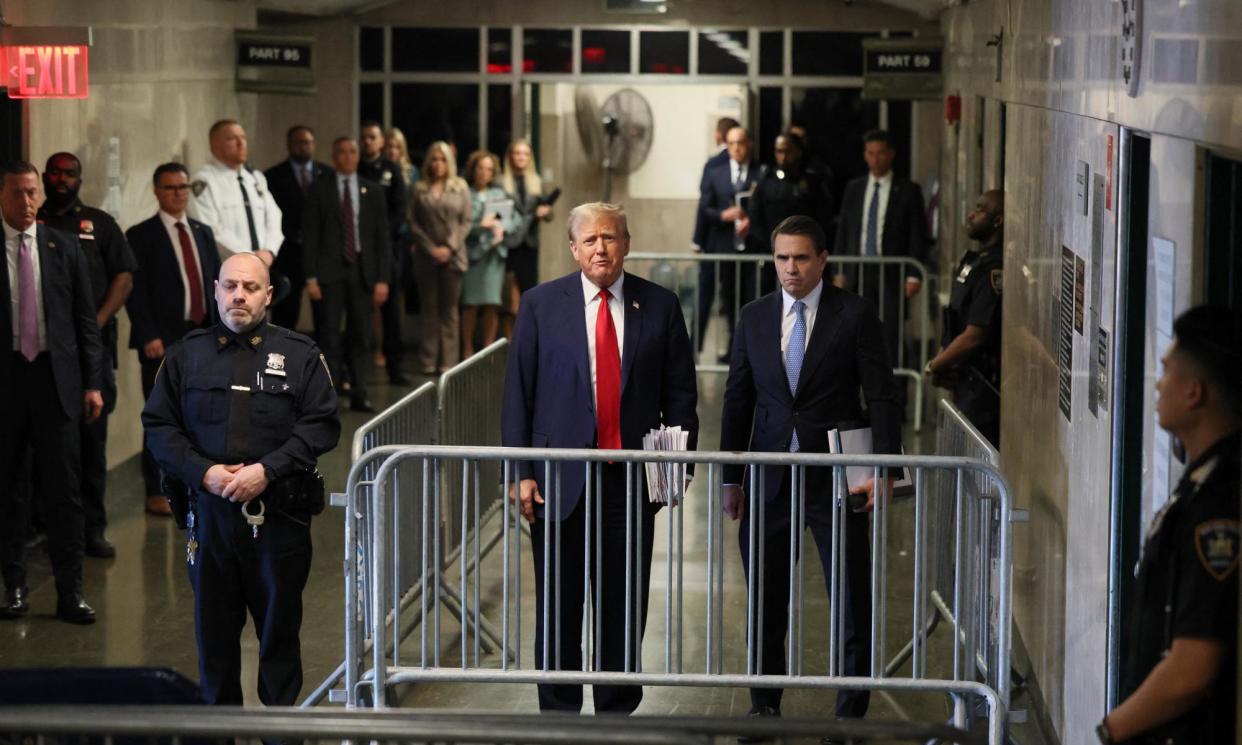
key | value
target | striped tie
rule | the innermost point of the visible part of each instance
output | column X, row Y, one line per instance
column 793, row 358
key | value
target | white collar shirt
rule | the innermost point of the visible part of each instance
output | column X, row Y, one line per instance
column 216, row 201
column 11, row 249
column 886, row 186
column 170, row 225
column 788, row 316
column 616, row 306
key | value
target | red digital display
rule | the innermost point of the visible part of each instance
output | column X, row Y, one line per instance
column 46, row 71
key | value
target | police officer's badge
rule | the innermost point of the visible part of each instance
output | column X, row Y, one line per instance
column 86, row 226
column 275, row 361
column 198, row 187
column 998, row 278
column 1216, row 543
column 386, row 178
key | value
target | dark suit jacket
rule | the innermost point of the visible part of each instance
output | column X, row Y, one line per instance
column 548, row 400
column 715, row 197
column 283, row 183
column 844, row 354
column 157, row 304
column 73, row 341
column 700, row 225
column 905, row 226
column 323, row 233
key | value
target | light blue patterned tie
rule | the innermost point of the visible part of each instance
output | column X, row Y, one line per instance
column 793, row 358
column 871, row 245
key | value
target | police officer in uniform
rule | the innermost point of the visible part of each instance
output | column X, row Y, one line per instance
column 968, row 363
column 375, row 167
column 1179, row 685
column 239, row 414
column 111, row 265
column 233, row 199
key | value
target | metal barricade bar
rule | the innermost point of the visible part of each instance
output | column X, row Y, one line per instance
column 551, row 666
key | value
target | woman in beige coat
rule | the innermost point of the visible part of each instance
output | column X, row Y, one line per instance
column 440, row 213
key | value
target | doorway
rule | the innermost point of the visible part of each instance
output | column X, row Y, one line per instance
column 1223, row 232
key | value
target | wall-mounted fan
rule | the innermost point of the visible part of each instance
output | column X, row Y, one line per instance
column 616, row 135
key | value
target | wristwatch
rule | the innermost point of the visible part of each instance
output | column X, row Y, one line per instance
column 1101, row 731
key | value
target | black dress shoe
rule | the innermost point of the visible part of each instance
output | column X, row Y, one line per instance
column 99, row 547
column 16, row 603
column 357, row 403
column 73, row 609
column 755, row 713
column 396, row 377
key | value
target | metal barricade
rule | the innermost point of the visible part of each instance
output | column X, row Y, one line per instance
column 718, row 664
column 50, row 725
column 750, row 276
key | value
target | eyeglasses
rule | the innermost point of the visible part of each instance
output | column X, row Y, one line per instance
column 176, row 187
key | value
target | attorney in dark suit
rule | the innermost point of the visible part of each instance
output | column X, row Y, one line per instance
column 51, row 374
column 177, row 263
column 599, row 358
column 723, row 125
column 882, row 215
column 347, row 263
column 289, row 181
column 726, row 225
column 801, row 356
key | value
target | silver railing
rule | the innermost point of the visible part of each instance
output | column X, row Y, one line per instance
column 174, row 724
column 752, row 275
column 715, row 661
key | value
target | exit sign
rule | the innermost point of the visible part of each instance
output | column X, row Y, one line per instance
column 45, row 61
column 46, row 71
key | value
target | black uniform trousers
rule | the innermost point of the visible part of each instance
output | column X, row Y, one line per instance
column 346, row 300
column 31, row 415
column 393, row 308
column 855, row 594
column 235, row 572
column 94, row 445
column 565, row 652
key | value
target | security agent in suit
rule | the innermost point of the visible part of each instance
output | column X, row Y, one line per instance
column 382, row 171
column 346, row 261
column 239, row 414
column 723, row 125
column 50, row 380
column 882, row 215
column 727, row 226
column 289, row 182
column 581, row 378
column 110, row 264
column 177, row 265
column 968, row 363
column 790, row 397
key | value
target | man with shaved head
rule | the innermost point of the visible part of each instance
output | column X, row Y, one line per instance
column 969, row 360
column 238, row 416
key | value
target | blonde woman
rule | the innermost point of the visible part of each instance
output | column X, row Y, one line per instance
column 521, row 180
column 485, row 247
column 439, row 218
column 396, row 150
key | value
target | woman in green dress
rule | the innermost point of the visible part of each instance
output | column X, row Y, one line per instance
column 484, row 280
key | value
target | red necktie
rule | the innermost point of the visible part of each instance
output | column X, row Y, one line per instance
column 607, row 378
column 197, row 308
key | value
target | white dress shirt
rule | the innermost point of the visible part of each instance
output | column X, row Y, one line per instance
column 886, row 185
column 11, row 249
column 170, row 224
column 788, row 316
column 216, row 200
column 616, row 306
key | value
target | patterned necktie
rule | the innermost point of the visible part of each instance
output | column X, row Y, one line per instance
column 304, row 178
column 192, row 276
column 873, row 217
column 254, row 234
column 793, row 357
column 740, row 183
column 28, row 303
column 607, row 378
column 347, row 217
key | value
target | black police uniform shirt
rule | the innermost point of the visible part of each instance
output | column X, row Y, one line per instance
column 264, row 396
column 975, row 300
column 1187, row 587
column 103, row 243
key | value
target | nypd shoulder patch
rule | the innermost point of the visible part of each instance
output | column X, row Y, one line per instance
column 1216, row 543
column 198, row 187
column 998, row 279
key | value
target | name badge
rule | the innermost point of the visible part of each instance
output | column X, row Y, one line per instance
column 244, row 388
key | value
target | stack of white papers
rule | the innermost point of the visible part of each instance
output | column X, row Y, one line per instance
column 858, row 442
column 666, row 481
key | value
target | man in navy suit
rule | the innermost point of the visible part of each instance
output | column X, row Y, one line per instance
column 726, row 225
column 290, row 182
column 51, row 376
column 599, row 358
column 801, row 356
column 177, row 263
column 723, row 125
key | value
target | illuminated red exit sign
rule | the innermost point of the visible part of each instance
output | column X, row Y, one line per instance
column 45, row 61
column 48, row 71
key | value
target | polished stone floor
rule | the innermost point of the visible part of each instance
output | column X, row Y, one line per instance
column 145, row 605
